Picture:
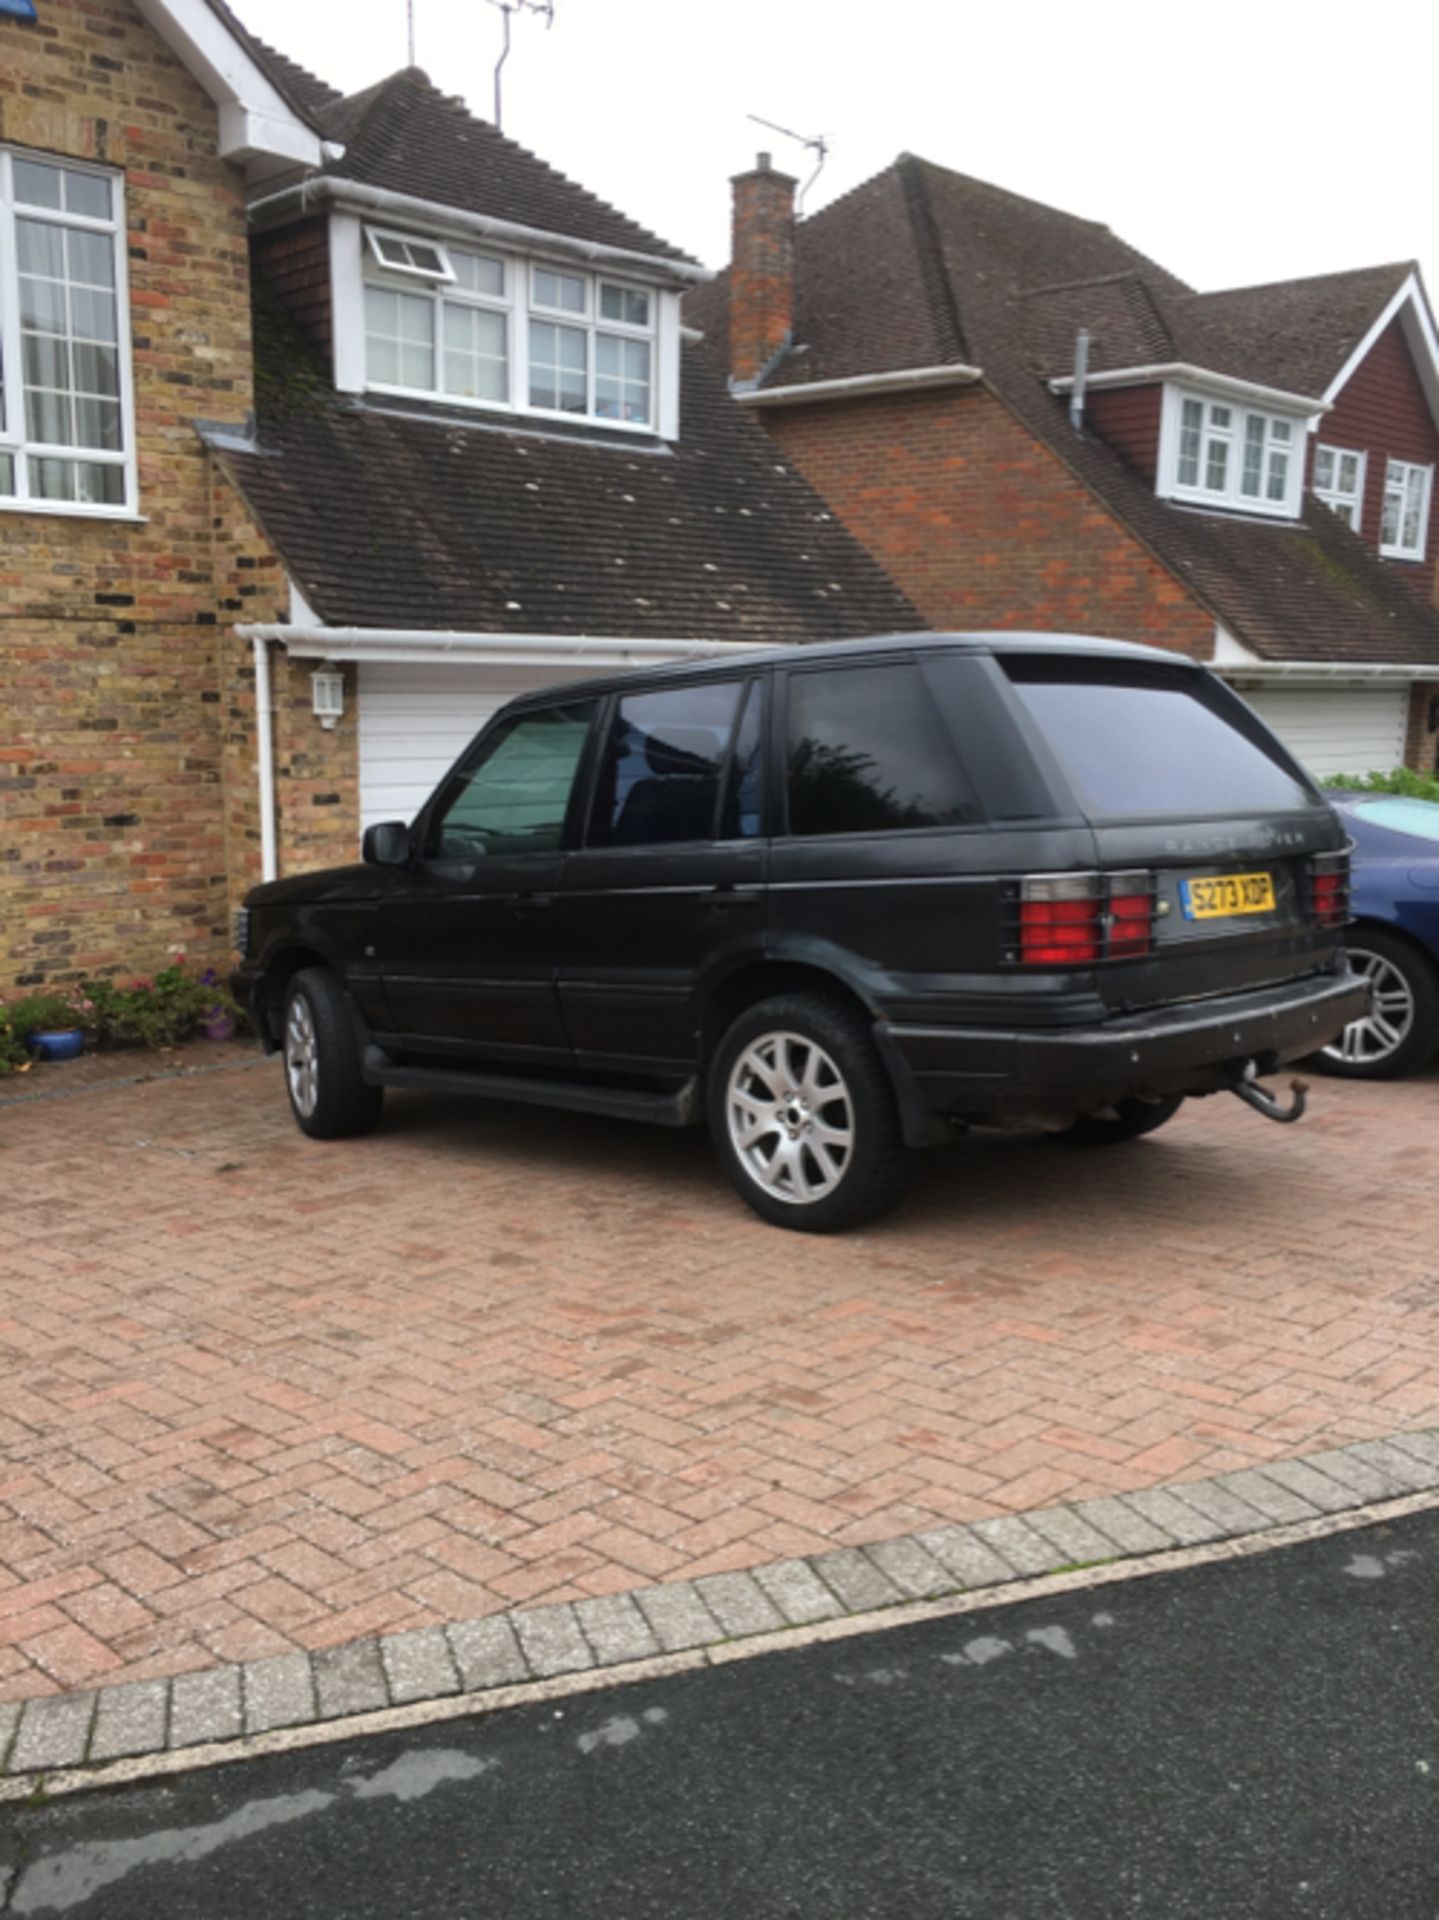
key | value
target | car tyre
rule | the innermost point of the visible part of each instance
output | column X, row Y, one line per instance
column 803, row 1115
column 1129, row 1120
column 320, row 1046
column 1401, row 1033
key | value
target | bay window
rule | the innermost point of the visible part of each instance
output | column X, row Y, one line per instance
column 1339, row 481
column 1405, row 524
column 488, row 330
column 66, row 417
column 1229, row 454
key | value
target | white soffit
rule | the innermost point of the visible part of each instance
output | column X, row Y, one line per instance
column 257, row 125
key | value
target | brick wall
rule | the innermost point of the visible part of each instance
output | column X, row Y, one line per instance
column 112, row 749
column 1420, row 743
column 980, row 524
column 761, row 280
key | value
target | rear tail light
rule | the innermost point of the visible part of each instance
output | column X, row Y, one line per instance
column 1078, row 919
column 1329, row 889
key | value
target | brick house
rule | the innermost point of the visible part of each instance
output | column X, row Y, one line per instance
column 1245, row 476
column 261, row 578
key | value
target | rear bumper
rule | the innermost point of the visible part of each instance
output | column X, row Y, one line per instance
column 1190, row 1048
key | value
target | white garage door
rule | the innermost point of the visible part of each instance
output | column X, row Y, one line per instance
column 1338, row 729
column 414, row 720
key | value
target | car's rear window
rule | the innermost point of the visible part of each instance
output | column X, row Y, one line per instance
column 1147, row 741
column 1419, row 818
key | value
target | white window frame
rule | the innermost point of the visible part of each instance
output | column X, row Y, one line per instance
column 443, row 275
column 1334, row 496
column 520, row 306
column 1235, row 435
column 14, row 438
column 1405, row 468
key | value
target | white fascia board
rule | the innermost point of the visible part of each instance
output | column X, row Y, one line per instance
column 857, row 386
column 1410, row 303
column 1353, row 673
column 423, row 646
column 434, row 217
column 1222, row 384
column 256, row 122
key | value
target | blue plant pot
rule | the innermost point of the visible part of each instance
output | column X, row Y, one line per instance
column 62, row 1045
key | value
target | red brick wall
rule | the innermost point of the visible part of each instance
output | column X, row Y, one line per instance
column 1127, row 419
column 980, row 524
column 295, row 261
column 1420, row 744
column 1384, row 412
column 762, row 275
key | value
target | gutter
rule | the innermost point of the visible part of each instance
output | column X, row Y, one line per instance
column 1197, row 376
column 1259, row 671
column 352, row 196
column 428, row 645
column 906, row 380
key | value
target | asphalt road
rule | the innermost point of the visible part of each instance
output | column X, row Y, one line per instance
column 1252, row 1738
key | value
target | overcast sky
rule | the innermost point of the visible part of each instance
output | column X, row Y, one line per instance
column 1237, row 142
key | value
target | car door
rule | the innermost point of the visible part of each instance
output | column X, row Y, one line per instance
column 468, row 939
column 669, row 883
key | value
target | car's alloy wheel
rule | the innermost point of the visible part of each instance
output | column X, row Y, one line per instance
column 790, row 1117
column 302, row 1056
column 1400, row 1032
column 1376, row 1038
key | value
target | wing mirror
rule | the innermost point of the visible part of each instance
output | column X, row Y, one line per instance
column 386, row 845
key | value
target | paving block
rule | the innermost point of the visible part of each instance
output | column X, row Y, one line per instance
column 1282, row 1505
column 679, row 1617
column 860, row 1585
column 1075, row 1538
column 54, row 1732
column 130, row 1720
column 1421, row 1446
column 1015, row 1541
column 1185, row 1525
column 913, row 1570
column 487, row 1654
column 1416, row 1475
column 1360, row 1476
column 1118, row 1522
column 616, row 1629
column 278, row 1692
column 418, row 1665
column 1233, row 1516
column 1310, row 1484
column 963, row 1554
column 553, row 1641
column 798, row 1592
column 739, row 1604
column 349, row 1679
column 206, row 1706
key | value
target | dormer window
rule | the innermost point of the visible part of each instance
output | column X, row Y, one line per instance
column 1222, row 452
column 494, row 331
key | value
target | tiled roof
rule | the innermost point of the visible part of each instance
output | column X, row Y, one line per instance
column 302, row 90
column 406, row 136
column 921, row 266
column 394, row 517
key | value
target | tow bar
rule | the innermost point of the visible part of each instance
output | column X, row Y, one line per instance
column 1253, row 1095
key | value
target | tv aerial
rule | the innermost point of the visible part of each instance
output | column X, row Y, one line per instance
column 544, row 8
column 817, row 144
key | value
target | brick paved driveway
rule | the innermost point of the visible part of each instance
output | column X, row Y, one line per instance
column 257, row 1393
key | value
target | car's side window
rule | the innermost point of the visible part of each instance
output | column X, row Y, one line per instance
column 866, row 752
column 514, row 796
column 742, row 810
column 659, row 776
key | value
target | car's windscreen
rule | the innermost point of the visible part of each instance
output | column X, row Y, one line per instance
column 1417, row 818
column 1141, row 741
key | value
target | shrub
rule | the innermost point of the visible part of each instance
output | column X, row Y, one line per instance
column 1414, row 786
column 150, row 1013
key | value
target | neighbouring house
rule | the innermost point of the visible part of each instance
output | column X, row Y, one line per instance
column 1030, row 424
column 261, row 579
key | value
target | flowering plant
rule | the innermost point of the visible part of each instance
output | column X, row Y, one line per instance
column 156, row 1012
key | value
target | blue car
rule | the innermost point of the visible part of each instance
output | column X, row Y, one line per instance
column 1395, row 935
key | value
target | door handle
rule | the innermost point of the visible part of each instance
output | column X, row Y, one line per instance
column 527, row 903
column 726, row 899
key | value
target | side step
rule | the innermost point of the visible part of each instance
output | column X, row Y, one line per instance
column 682, row 1108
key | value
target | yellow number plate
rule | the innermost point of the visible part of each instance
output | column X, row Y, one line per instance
column 1219, row 896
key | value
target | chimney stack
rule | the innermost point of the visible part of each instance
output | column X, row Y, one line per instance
column 761, row 270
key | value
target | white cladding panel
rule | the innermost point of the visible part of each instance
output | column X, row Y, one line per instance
column 416, row 720
column 1337, row 729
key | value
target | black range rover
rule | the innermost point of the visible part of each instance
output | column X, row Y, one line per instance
column 839, row 901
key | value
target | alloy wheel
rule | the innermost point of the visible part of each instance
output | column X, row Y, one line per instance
column 302, row 1056
column 1386, row 1026
column 790, row 1117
